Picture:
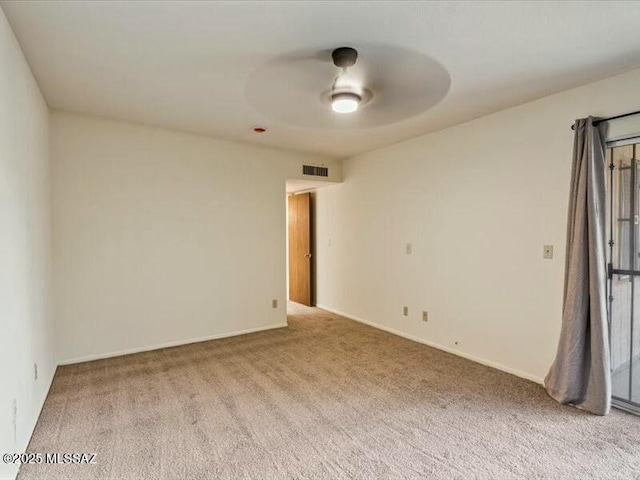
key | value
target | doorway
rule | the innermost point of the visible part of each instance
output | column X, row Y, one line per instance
column 623, row 228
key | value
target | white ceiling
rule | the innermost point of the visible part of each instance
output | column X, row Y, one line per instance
column 187, row 65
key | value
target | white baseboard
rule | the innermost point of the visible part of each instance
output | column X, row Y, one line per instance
column 473, row 358
column 129, row 351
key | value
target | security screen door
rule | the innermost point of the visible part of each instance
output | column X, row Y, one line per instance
column 623, row 269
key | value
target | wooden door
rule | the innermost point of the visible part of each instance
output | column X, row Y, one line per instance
column 300, row 248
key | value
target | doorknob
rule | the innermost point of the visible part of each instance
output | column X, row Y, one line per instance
column 307, row 255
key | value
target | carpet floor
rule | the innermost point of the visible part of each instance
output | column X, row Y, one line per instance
column 325, row 398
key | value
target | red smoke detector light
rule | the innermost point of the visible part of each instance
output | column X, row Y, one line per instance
column 259, row 129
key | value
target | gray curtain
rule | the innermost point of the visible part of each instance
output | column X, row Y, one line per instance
column 580, row 374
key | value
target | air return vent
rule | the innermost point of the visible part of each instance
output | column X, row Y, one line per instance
column 315, row 171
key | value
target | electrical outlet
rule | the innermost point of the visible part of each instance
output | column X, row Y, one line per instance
column 274, row 303
column 35, row 371
column 425, row 316
column 408, row 248
column 547, row 252
column 405, row 311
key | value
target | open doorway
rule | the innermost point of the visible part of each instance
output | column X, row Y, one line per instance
column 301, row 245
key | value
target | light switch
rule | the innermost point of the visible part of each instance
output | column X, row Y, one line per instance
column 547, row 252
column 409, row 249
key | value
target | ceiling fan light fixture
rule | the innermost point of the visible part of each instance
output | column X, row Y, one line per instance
column 345, row 102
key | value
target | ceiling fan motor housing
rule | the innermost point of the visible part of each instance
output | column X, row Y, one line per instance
column 344, row 57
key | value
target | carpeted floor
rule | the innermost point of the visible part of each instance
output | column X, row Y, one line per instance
column 326, row 398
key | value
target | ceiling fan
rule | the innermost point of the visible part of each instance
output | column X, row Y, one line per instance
column 303, row 88
column 345, row 95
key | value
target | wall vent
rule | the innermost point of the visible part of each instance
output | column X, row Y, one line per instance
column 315, row 171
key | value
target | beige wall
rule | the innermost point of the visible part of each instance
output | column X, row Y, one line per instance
column 26, row 327
column 162, row 237
column 478, row 202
